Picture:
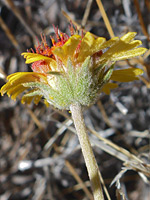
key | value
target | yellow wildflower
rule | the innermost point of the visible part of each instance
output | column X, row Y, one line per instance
column 74, row 69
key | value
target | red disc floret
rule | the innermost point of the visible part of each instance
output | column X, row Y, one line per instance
column 41, row 66
column 44, row 49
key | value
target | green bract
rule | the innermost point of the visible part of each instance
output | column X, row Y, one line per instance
column 80, row 85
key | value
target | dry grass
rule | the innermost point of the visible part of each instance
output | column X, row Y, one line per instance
column 40, row 157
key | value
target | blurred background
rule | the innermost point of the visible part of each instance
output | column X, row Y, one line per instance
column 40, row 157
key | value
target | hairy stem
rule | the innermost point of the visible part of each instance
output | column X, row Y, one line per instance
column 89, row 157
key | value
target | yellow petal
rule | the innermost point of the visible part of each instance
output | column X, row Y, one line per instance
column 128, row 36
column 35, row 97
column 15, row 91
column 86, row 45
column 12, row 90
column 27, row 99
column 97, row 46
column 107, row 87
column 59, row 51
column 109, row 43
column 129, row 54
column 70, row 46
column 126, row 75
column 46, row 103
column 23, row 77
column 67, row 50
column 5, row 88
column 33, row 57
column 14, row 85
column 120, row 47
column 90, row 45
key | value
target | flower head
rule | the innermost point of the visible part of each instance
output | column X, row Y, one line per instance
column 74, row 69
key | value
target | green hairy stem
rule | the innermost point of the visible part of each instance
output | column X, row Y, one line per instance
column 87, row 151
